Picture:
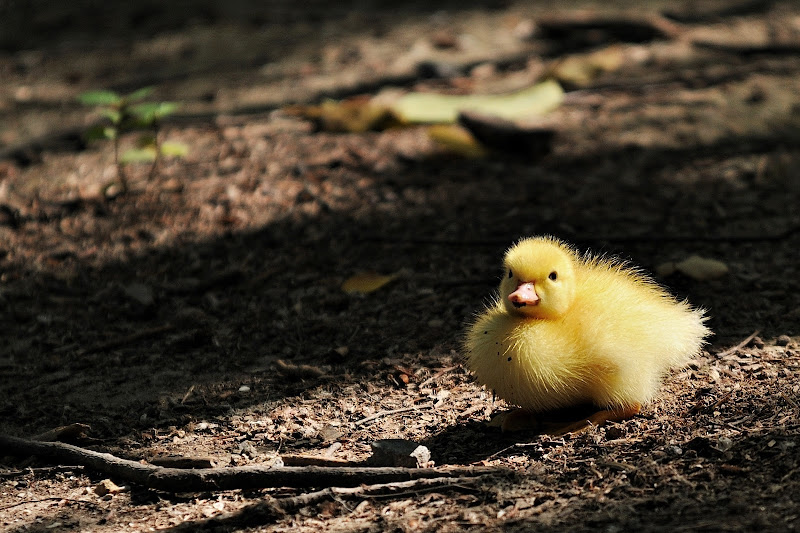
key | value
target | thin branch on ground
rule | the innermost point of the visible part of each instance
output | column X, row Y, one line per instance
column 389, row 412
column 274, row 509
column 739, row 346
column 437, row 375
column 242, row 477
column 49, row 499
column 42, row 470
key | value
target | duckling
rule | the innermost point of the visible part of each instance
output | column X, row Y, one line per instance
column 568, row 329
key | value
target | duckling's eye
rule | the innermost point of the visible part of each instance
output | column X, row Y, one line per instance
column 510, row 274
column 553, row 275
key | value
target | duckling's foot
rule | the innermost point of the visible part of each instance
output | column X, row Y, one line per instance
column 598, row 419
column 515, row 420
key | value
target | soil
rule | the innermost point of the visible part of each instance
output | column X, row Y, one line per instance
column 201, row 314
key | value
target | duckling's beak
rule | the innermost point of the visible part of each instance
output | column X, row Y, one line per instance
column 524, row 295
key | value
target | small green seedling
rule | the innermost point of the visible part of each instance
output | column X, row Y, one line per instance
column 127, row 113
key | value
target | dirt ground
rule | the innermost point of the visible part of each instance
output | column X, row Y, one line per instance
column 202, row 313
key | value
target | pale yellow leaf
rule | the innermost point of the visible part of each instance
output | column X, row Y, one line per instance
column 366, row 282
column 702, row 268
column 432, row 108
column 581, row 69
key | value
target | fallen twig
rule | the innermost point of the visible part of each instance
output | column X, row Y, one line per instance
column 312, row 460
column 516, row 445
column 470, row 411
column 71, row 432
column 273, row 509
column 437, row 375
column 772, row 48
column 722, row 400
column 48, row 499
column 632, row 27
column 381, row 414
column 739, row 346
column 243, row 477
column 39, row 470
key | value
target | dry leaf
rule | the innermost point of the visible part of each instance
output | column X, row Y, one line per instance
column 366, row 282
column 71, row 433
column 432, row 108
column 384, row 111
column 696, row 267
column 581, row 69
column 458, row 140
column 301, row 371
column 355, row 115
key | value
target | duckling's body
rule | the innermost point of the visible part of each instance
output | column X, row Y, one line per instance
column 569, row 329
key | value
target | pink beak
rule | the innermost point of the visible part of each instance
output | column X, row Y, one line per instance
column 524, row 295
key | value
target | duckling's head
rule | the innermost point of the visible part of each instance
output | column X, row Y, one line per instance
column 539, row 278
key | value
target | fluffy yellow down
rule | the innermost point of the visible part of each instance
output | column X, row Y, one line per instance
column 601, row 333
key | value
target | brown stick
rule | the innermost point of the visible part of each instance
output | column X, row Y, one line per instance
column 50, row 498
column 271, row 510
column 739, row 346
column 40, row 470
column 381, row 414
column 437, row 375
column 773, row 48
column 626, row 25
column 243, row 477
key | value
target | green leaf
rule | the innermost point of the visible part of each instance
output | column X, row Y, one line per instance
column 167, row 108
column 139, row 94
column 145, row 113
column 434, row 108
column 112, row 114
column 138, row 155
column 110, row 133
column 174, row 149
column 100, row 98
column 149, row 112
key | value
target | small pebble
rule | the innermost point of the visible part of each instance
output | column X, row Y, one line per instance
column 107, row 487
column 674, row 450
column 757, row 342
column 724, row 444
column 783, row 340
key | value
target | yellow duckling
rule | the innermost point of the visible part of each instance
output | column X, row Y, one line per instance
column 570, row 329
